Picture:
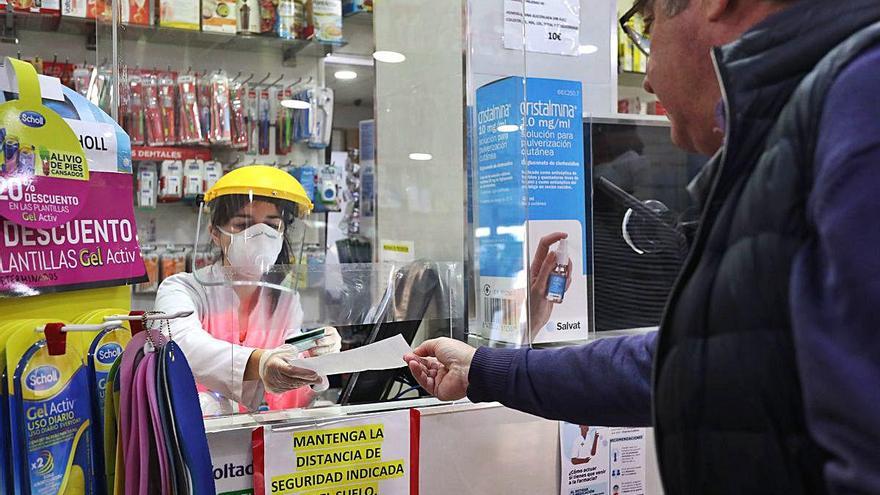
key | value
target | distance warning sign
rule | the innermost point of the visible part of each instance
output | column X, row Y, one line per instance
column 371, row 455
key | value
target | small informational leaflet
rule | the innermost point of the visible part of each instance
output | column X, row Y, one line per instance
column 232, row 458
column 370, row 455
column 601, row 461
column 531, row 221
column 627, row 463
column 546, row 26
column 584, row 459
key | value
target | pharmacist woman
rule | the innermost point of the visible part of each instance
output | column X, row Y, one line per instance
column 245, row 305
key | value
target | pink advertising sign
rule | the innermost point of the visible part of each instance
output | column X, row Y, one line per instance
column 97, row 248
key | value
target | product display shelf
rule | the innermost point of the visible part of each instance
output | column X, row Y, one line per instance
column 634, row 79
column 178, row 37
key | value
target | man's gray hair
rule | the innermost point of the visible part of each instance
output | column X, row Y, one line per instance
column 674, row 7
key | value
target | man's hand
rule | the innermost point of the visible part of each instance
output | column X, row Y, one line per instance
column 542, row 264
column 441, row 367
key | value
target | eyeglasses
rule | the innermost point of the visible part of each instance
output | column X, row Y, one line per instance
column 640, row 37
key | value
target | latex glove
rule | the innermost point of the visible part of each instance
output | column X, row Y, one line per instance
column 328, row 344
column 279, row 376
column 441, row 367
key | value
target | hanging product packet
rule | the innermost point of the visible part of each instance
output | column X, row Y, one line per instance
column 6, row 477
column 134, row 118
column 42, row 157
column 220, row 130
column 167, row 97
column 188, row 102
column 252, row 113
column 238, row 95
column 51, row 403
column 153, row 113
column 11, row 353
column 104, row 350
column 193, row 179
column 111, row 432
column 203, row 88
column 264, row 115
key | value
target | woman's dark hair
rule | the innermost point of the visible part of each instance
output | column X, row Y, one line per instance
column 224, row 209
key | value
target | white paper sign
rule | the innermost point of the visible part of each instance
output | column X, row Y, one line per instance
column 627, row 463
column 551, row 26
column 231, row 455
column 369, row 455
column 584, row 459
column 383, row 355
column 99, row 142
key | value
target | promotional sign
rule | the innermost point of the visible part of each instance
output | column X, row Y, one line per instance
column 547, row 26
column 601, row 461
column 98, row 248
column 369, row 455
column 44, row 172
column 232, row 458
column 531, row 219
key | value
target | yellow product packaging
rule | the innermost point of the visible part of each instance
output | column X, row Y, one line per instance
column 50, row 411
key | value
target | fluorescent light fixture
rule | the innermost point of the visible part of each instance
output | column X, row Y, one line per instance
column 337, row 59
column 506, row 127
column 587, row 49
column 389, row 57
column 345, row 75
column 296, row 104
column 420, row 157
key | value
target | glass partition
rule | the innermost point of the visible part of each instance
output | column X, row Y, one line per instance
column 365, row 106
column 531, row 75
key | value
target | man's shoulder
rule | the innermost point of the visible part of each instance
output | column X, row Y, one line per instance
column 849, row 125
column 863, row 71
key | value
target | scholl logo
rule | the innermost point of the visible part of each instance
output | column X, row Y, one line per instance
column 32, row 119
column 108, row 353
column 42, row 378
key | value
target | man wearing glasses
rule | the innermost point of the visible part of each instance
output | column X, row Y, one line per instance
column 765, row 374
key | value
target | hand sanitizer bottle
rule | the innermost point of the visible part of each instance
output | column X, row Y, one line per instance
column 558, row 279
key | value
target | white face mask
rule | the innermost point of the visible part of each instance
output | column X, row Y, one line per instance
column 257, row 247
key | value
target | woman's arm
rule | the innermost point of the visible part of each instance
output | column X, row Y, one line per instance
column 217, row 364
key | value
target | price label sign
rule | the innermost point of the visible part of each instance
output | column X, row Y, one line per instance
column 543, row 26
column 44, row 173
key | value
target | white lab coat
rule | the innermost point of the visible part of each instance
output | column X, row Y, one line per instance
column 583, row 447
column 216, row 343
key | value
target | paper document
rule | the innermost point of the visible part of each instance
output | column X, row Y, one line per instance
column 383, row 355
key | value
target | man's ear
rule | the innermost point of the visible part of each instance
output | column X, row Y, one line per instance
column 715, row 10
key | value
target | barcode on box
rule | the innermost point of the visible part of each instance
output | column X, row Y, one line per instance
column 500, row 312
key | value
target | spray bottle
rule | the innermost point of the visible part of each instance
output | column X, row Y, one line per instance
column 558, row 279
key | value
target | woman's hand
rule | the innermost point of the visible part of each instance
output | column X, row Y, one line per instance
column 279, row 376
column 328, row 344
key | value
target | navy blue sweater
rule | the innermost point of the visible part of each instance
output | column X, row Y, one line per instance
column 835, row 306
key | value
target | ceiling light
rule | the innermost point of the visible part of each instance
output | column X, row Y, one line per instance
column 587, row 49
column 420, row 157
column 508, row 128
column 389, row 57
column 296, row 104
column 343, row 59
column 345, row 75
